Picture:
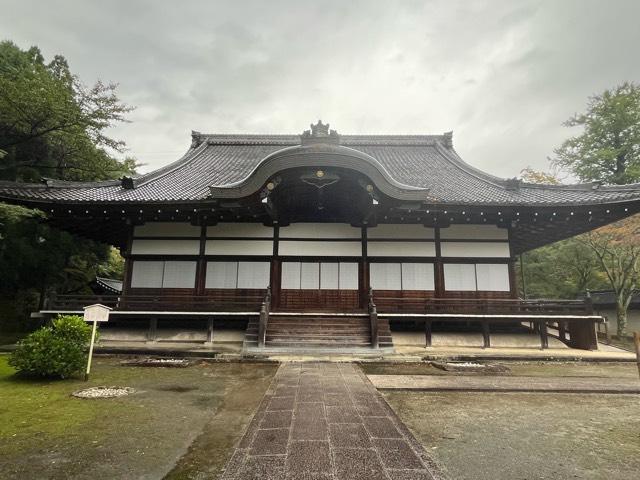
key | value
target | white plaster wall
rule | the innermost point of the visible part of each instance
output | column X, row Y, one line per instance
column 400, row 231
column 401, row 249
column 248, row 230
column 470, row 249
column 239, row 247
column 320, row 230
column 166, row 229
column 320, row 248
column 165, row 247
column 481, row 232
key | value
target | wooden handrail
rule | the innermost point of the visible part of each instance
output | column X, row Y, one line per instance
column 235, row 302
column 478, row 305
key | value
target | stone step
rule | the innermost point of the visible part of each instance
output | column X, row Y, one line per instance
column 317, row 332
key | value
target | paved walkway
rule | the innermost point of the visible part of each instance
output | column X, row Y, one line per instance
column 506, row 383
column 326, row 421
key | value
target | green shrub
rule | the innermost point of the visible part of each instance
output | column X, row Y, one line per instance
column 59, row 350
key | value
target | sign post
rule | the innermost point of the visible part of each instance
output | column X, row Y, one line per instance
column 636, row 341
column 94, row 313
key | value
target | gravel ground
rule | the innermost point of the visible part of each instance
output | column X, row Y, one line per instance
column 513, row 436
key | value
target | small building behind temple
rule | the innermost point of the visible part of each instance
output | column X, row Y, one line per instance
column 322, row 240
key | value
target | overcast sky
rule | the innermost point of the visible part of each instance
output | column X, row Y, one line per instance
column 503, row 75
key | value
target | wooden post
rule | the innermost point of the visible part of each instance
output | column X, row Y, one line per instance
column 93, row 339
column 153, row 329
column 373, row 319
column 262, row 326
column 427, row 334
column 544, row 341
column 94, row 313
column 636, row 341
column 209, row 331
column 486, row 340
column 562, row 330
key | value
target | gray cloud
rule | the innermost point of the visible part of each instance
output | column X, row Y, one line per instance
column 503, row 75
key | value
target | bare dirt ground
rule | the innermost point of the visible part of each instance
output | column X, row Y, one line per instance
column 537, row 369
column 46, row 433
column 518, row 436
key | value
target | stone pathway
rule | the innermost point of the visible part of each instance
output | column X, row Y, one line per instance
column 477, row 383
column 327, row 421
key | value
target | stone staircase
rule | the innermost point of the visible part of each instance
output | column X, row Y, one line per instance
column 318, row 332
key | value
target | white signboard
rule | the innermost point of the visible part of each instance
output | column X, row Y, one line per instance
column 96, row 313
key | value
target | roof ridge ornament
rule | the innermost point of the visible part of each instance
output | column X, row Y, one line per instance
column 196, row 138
column 319, row 133
column 448, row 139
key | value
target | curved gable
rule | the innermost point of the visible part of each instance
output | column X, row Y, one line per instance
column 320, row 155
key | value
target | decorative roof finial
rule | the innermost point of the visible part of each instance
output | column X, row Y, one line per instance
column 448, row 139
column 319, row 133
column 320, row 129
column 196, row 138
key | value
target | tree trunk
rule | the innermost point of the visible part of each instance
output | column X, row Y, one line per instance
column 621, row 315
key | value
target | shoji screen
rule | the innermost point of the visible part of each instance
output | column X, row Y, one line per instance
column 147, row 274
column 493, row 277
column 460, row 276
column 385, row 276
column 179, row 274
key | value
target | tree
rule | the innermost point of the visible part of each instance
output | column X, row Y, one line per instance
column 608, row 149
column 563, row 269
column 617, row 248
column 530, row 175
column 52, row 125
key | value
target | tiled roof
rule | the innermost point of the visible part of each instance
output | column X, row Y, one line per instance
column 426, row 161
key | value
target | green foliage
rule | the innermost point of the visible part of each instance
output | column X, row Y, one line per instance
column 52, row 125
column 36, row 256
column 608, row 149
column 55, row 351
column 564, row 269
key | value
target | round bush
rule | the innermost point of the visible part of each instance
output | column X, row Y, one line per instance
column 59, row 350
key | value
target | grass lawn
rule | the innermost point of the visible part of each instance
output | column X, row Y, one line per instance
column 154, row 433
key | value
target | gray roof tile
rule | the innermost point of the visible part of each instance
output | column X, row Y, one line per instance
column 419, row 161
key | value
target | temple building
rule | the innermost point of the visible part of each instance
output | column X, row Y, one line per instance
column 322, row 240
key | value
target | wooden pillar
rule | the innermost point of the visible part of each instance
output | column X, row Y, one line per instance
column 363, row 274
column 275, row 273
column 128, row 263
column 201, row 266
column 513, row 284
column 438, row 266
column 544, row 340
column 562, row 330
column 152, row 335
column 428, row 334
column 209, row 331
column 486, row 340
